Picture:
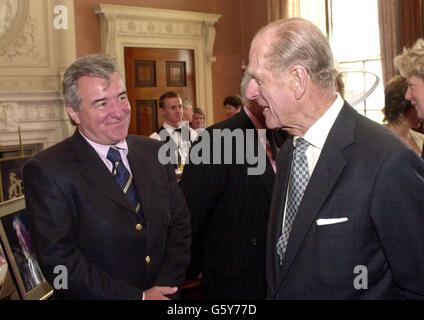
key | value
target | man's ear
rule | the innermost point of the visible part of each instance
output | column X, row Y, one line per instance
column 162, row 112
column 300, row 81
column 73, row 114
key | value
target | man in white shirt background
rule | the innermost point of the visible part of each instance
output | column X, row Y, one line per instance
column 171, row 109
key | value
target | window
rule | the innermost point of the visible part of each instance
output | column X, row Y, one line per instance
column 354, row 37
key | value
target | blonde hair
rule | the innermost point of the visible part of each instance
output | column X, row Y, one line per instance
column 411, row 61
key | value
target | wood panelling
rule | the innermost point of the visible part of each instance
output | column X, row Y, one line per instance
column 176, row 74
column 149, row 73
column 146, row 115
column 145, row 73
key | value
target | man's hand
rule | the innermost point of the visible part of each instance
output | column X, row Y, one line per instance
column 159, row 293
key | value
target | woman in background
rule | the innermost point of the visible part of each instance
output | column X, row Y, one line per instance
column 400, row 115
column 198, row 121
column 232, row 105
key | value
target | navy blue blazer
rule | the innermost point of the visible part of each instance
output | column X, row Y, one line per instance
column 80, row 218
column 367, row 175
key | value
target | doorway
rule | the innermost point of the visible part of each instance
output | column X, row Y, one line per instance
column 149, row 73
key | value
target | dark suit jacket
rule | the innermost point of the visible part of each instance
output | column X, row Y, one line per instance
column 369, row 176
column 80, row 218
column 229, row 213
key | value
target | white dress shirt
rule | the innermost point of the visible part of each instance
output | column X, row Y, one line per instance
column 316, row 136
column 176, row 135
column 102, row 151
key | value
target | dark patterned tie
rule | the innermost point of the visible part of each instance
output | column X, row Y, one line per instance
column 124, row 178
column 299, row 178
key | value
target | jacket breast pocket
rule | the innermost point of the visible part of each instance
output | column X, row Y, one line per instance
column 335, row 229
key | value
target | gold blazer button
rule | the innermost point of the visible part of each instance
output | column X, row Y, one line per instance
column 138, row 226
column 147, row 259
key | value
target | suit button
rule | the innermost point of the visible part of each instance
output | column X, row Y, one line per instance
column 147, row 259
column 254, row 241
column 138, row 226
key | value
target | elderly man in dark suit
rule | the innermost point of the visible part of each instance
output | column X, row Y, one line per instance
column 347, row 212
column 229, row 208
column 100, row 203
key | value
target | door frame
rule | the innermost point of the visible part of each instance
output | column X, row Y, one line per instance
column 126, row 26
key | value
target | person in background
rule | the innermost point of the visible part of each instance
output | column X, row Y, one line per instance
column 198, row 120
column 170, row 107
column 232, row 105
column 346, row 218
column 400, row 115
column 229, row 210
column 187, row 111
column 411, row 66
column 101, row 204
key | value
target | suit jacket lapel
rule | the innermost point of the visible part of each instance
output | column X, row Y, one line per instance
column 95, row 171
column 326, row 173
column 276, row 211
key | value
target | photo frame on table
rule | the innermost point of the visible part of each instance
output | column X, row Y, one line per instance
column 8, row 289
column 16, row 240
column 11, row 176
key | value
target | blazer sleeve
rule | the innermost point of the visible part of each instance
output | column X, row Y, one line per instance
column 178, row 239
column 397, row 211
column 52, row 223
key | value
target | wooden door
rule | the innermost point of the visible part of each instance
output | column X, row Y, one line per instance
column 150, row 72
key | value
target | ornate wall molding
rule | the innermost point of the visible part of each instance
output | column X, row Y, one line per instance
column 25, row 44
column 33, row 55
column 124, row 26
column 31, row 84
column 13, row 16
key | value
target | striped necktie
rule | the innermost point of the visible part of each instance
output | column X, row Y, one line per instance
column 124, row 178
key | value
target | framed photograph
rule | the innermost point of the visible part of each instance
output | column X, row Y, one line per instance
column 8, row 289
column 11, row 185
column 16, row 239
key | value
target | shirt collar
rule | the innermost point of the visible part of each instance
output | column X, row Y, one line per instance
column 103, row 149
column 318, row 132
column 169, row 127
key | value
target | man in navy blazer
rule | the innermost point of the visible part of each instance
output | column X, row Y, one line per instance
column 116, row 241
column 357, row 230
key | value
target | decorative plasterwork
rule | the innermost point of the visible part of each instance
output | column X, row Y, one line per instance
column 123, row 26
column 46, row 83
column 24, row 45
column 13, row 15
column 33, row 55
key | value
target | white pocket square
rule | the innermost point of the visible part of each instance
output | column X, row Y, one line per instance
column 323, row 222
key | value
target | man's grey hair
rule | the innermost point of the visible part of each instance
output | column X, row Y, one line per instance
column 299, row 41
column 95, row 65
column 243, row 87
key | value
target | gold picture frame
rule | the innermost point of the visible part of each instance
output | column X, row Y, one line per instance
column 17, row 245
column 11, row 176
